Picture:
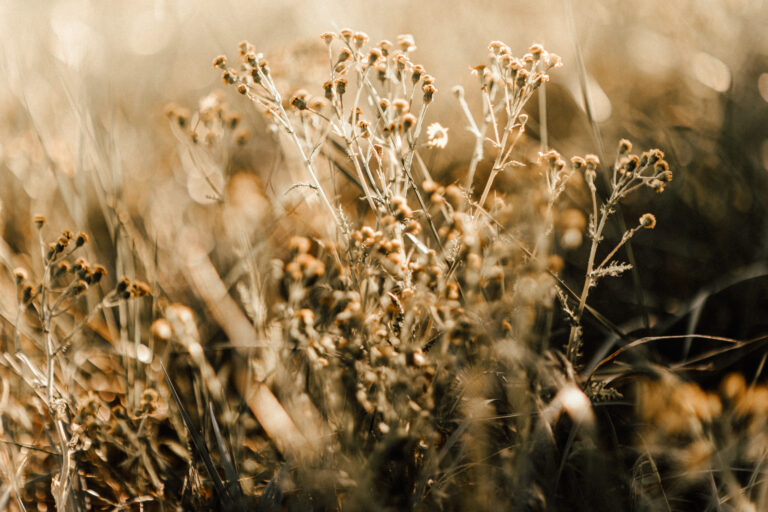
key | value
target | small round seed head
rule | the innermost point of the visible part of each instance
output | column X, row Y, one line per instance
column 400, row 105
column 359, row 39
column 365, row 129
column 632, row 163
column 429, row 91
column 344, row 55
column 406, row 42
column 264, row 66
column 385, row 46
column 150, row 400
column 299, row 100
column 346, row 34
column 648, row 221
column 409, row 120
column 300, row 244
column 123, row 286
column 592, row 162
column 328, row 88
column 20, row 275
column 374, row 55
column 81, row 239
column 39, row 220
column 625, row 146
column 27, row 294
column 328, row 37
column 496, row 47
column 341, row 86
column 80, row 287
column 242, row 89
column 229, row 76
column 98, row 272
column 536, row 50
column 62, row 268
column 140, row 289
column 578, row 163
column 220, row 62
column 416, row 72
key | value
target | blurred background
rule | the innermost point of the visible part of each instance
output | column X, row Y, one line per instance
column 83, row 86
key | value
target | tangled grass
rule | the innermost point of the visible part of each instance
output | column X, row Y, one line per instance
column 361, row 333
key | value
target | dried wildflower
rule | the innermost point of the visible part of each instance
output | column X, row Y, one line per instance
column 81, row 239
column 346, row 34
column 406, row 43
column 299, row 100
column 123, row 288
column 220, row 62
column 409, row 120
column 625, row 146
column 341, row 86
column 359, row 39
column 300, row 244
column 437, row 136
column 20, row 275
column 229, row 76
column 39, row 220
column 140, row 289
column 648, row 221
column 149, row 401
column 328, row 37
column 385, row 46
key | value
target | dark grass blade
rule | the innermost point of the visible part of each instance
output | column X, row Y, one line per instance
column 233, row 481
column 197, row 441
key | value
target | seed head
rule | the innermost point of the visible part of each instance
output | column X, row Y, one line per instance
column 359, row 39
column 400, row 105
column 406, row 42
column 341, row 86
column 39, row 220
column 220, row 62
column 328, row 37
column 409, row 120
column 140, row 289
column 299, row 100
column 373, row 55
column 346, row 34
column 81, row 239
column 429, row 91
column 20, row 275
column 229, row 76
column 98, row 272
column 592, row 162
column 385, row 46
column 578, row 163
column 624, row 147
column 648, row 221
